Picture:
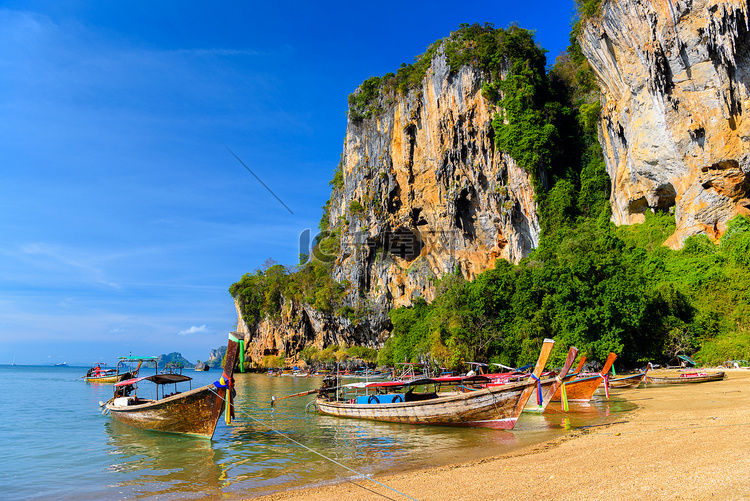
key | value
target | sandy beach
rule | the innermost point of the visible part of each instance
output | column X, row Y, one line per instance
column 682, row 442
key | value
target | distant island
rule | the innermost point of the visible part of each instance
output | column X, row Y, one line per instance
column 176, row 359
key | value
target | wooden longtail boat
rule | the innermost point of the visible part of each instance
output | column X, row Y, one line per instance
column 194, row 412
column 106, row 379
column 687, row 378
column 632, row 381
column 583, row 386
column 492, row 407
column 101, row 375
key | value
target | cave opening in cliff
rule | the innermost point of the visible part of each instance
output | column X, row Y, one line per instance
column 404, row 243
column 465, row 212
column 394, row 199
column 665, row 197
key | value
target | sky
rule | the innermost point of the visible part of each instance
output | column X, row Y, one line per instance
column 124, row 214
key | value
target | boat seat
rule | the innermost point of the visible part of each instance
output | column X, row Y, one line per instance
column 389, row 398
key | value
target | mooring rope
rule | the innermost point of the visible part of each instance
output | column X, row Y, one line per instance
column 324, row 456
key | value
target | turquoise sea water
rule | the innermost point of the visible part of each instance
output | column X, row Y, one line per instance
column 56, row 444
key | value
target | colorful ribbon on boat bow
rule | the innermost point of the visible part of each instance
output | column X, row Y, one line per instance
column 564, row 396
column 226, row 382
column 606, row 385
column 538, row 390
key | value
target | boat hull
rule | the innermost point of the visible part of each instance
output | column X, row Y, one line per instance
column 628, row 381
column 583, row 386
column 579, row 390
column 193, row 412
column 547, row 386
column 494, row 407
column 716, row 376
column 104, row 379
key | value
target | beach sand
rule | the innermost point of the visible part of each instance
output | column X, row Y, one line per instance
column 682, row 442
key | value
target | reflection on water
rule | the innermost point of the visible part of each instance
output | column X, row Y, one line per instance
column 597, row 412
column 89, row 456
column 151, row 464
column 259, row 460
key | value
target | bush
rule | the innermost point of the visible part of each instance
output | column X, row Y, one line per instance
column 356, row 208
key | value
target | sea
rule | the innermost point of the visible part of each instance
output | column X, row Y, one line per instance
column 55, row 443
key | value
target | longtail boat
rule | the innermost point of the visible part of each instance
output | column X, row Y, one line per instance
column 687, row 378
column 630, row 381
column 194, row 412
column 99, row 374
column 491, row 407
column 584, row 385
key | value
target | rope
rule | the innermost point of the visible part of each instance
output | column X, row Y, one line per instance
column 323, row 455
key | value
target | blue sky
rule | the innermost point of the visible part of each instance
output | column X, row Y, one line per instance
column 123, row 216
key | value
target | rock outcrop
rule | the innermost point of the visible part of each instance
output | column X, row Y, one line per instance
column 674, row 81
column 216, row 356
column 424, row 193
column 300, row 325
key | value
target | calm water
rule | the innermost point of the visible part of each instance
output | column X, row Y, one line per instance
column 56, row 443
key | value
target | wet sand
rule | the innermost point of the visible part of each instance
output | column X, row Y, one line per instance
column 682, row 442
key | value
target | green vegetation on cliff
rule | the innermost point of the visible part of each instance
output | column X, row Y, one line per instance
column 599, row 288
column 493, row 50
column 588, row 284
column 262, row 294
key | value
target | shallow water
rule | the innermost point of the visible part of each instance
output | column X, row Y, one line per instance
column 56, row 442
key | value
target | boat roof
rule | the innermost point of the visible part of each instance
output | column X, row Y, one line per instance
column 481, row 379
column 138, row 359
column 420, row 382
column 158, row 379
column 687, row 359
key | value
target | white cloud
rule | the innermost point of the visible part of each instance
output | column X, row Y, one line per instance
column 192, row 330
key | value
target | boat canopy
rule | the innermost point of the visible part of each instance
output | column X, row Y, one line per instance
column 420, row 382
column 168, row 378
column 158, row 379
column 687, row 359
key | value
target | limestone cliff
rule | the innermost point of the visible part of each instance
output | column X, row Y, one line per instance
column 674, row 81
column 424, row 192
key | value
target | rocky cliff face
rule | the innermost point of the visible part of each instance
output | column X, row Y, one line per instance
column 215, row 357
column 674, row 79
column 424, row 193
